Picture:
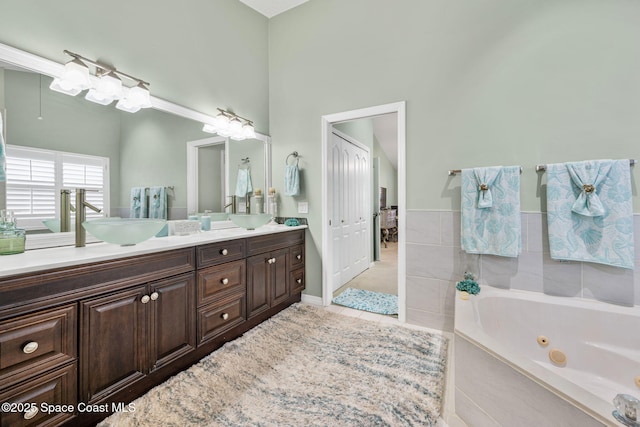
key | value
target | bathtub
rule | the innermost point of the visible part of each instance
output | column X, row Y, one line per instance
column 504, row 374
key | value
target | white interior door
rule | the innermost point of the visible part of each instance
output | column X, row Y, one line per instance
column 350, row 209
column 375, row 193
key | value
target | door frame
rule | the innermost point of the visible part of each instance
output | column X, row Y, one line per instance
column 327, row 122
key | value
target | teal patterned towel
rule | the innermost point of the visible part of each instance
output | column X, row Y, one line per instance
column 491, row 211
column 590, row 212
column 158, row 202
column 243, row 183
column 138, row 203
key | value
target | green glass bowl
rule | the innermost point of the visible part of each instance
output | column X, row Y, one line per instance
column 124, row 231
column 250, row 221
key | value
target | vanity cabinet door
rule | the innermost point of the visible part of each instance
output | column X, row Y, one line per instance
column 113, row 337
column 173, row 316
column 258, row 270
column 267, row 281
column 279, row 277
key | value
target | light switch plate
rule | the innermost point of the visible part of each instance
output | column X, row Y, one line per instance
column 303, row 207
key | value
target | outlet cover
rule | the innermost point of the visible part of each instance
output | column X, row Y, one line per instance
column 303, row 207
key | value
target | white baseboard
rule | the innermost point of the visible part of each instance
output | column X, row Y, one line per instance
column 311, row 299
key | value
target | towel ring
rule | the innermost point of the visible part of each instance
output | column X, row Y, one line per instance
column 295, row 155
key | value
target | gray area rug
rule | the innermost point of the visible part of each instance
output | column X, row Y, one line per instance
column 305, row 367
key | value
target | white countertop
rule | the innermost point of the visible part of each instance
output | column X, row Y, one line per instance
column 45, row 259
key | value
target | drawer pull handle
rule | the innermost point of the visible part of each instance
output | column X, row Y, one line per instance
column 30, row 347
column 31, row 413
column 298, row 256
column 225, row 316
column 299, row 280
column 155, row 296
column 225, row 281
column 145, row 299
column 224, row 252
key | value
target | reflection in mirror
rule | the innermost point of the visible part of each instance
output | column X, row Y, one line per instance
column 204, row 194
column 143, row 149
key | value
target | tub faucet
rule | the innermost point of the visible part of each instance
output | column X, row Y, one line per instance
column 627, row 410
column 232, row 204
column 81, row 203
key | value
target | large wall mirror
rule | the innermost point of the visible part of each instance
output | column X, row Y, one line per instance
column 145, row 149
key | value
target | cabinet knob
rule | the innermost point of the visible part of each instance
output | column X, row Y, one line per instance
column 273, row 260
column 224, row 252
column 225, row 316
column 270, row 260
column 145, row 299
column 154, row 296
column 298, row 256
column 31, row 413
column 30, row 347
column 299, row 280
column 225, row 281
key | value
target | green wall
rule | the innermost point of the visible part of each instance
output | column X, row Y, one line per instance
column 388, row 173
column 202, row 54
column 490, row 82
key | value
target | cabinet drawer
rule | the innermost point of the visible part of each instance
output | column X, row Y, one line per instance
column 271, row 242
column 214, row 319
column 297, row 281
column 219, row 253
column 296, row 257
column 36, row 342
column 55, row 388
column 220, row 280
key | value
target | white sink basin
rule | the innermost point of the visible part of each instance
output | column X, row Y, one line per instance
column 124, row 231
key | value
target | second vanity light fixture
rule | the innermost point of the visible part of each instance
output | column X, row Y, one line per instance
column 231, row 125
column 76, row 78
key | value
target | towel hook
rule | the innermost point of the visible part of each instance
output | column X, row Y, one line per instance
column 295, row 155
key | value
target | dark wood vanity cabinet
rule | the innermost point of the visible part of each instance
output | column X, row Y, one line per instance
column 128, row 334
column 106, row 332
column 270, row 271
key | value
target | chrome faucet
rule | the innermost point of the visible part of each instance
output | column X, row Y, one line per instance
column 627, row 410
column 247, row 200
column 232, row 204
column 81, row 203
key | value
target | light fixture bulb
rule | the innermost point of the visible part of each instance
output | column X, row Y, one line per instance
column 209, row 128
column 221, row 121
column 74, row 78
column 108, row 89
column 249, row 131
column 134, row 99
column 235, row 126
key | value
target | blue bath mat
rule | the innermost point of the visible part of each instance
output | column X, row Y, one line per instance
column 375, row 302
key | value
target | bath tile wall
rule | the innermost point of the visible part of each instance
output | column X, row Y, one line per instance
column 436, row 262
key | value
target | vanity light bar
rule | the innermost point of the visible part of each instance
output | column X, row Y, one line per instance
column 77, row 77
column 228, row 124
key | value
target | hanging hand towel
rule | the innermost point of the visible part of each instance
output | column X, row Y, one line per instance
column 3, row 154
column 590, row 212
column 243, row 183
column 138, row 203
column 490, row 222
column 158, row 202
column 291, row 180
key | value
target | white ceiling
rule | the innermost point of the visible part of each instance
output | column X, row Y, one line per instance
column 271, row 8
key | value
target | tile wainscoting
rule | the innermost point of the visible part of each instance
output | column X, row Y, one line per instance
column 436, row 262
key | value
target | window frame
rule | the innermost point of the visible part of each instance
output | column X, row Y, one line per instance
column 34, row 222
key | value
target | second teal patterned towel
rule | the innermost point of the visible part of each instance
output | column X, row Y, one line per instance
column 590, row 212
column 491, row 211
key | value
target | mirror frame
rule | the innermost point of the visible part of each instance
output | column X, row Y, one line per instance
column 192, row 165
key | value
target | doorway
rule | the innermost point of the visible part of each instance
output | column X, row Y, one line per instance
column 331, row 248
